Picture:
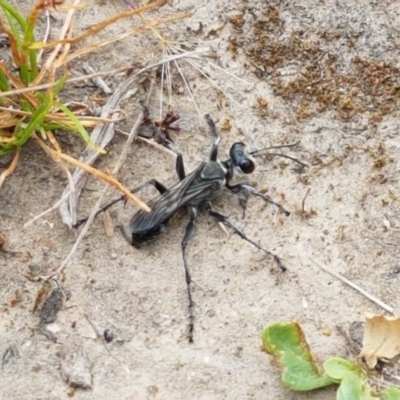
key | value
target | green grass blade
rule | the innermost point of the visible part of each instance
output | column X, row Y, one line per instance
column 23, row 35
column 8, row 8
column 29, row 38
column 60, row 84
column 78, row 127
column 34, row 123
column 4, row 84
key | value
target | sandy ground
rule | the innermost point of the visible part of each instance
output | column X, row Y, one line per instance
column 316, row 72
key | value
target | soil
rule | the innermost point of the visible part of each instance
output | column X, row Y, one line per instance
column 318, row 72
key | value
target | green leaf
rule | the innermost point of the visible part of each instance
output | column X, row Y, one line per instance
column 286, row 342
column 337, row 367
column 391, row 393
column 353, row 387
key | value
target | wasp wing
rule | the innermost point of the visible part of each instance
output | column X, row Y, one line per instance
column 193, row 189
column 165, row 205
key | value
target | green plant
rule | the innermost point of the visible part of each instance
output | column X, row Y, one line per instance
column 301, row 372
column 29, row 104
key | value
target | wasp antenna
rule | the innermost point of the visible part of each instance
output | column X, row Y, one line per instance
column 282, row 146
column 256, row 153
column 290, row 158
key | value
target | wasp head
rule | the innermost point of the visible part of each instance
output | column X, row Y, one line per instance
column 241, row 159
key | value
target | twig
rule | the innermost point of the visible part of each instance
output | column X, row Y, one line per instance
column 356, row 287
column 303, row 203
column 151, row 142
column 169, row 83
column 59, row 202
column 11, row 167
column 162, row 89
column 49, row 210
column 120, row 162
column 158, row 146
column 101, row 339
column 98, row 81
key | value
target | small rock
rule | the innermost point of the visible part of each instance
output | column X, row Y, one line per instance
column 75, row 366
column 51, row 306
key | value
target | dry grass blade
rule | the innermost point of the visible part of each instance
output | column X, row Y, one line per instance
column 49, row 64
column 11, row 167
column 93, row 171
column 91, row 76
column 97, row 45
column 102, row 25
column 369, row 296
column 98, row 174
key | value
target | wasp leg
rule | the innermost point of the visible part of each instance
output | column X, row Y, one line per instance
column 166, row 141
column 214, row 131
column 153, row 182
column 180, row 167
column 249, row 189
column 125, row 233
column 188, row 234
column 222, row 218
column 243, row 203
column 159, row 186
column 105, row 208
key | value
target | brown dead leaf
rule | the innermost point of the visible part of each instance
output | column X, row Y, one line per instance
column 108, row 224
column 41, row 295
column 381, row 338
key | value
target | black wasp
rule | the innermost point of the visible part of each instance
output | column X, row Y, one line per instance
column 193, row 190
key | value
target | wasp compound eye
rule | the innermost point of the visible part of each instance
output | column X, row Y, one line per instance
column 247, row 166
